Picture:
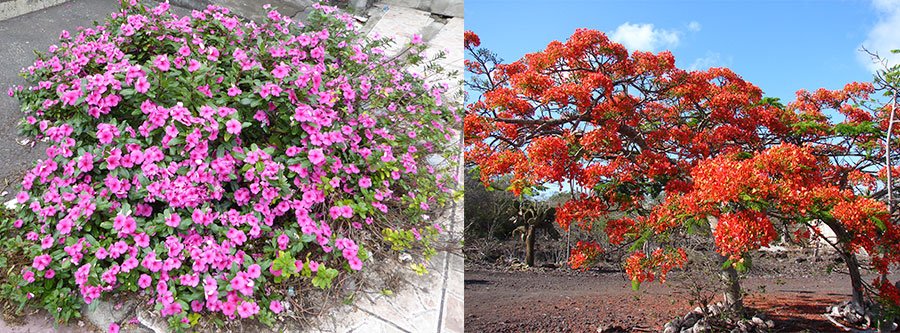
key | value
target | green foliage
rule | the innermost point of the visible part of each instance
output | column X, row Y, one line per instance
column 324, row 277
column 809, row 127
column 489, row 212
column 866, row 127
column 400, row 239
column 284, row 262
column 419, row 268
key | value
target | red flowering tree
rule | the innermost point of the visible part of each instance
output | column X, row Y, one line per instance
column 654, row 151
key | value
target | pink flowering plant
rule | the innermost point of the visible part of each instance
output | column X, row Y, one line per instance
column 204, row 162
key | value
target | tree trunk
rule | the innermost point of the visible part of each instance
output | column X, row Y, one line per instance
column 734, row 298
column 855, row 279
column 816, row 251
column 529, row 246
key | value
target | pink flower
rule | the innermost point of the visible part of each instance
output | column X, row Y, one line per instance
column 299, row 264
column 212, row 54
column 129, row 264
column 233, row 126
column 416, row 39
column 196, row 306
column 64, row 226
column 41, row 262
column 189, row 280
column 141, row 85
column 316, row 156
column 162, row 62
column 340, row 211
column 236, row 236
column 168, row 157
column 283, row 240
column 173, row 221
column 124, row 224
column 144, row 281
column 281, row 71
column 247, row 309
column 101, row 253
column 184, row 51
column 28, row 276
column 230, row 23
column 193, row 65
column 106, row 133
column 261, row 116
column 254, row 271
column 142, row 240
column 347, row 211
column 113, row 328
column 161, row 8
column 86, row 162
column 365, row 182
column 276, row 306
column 355, row 263
column 46, row 242
column 114, row 159
column 292, row 151
column 172, row 308
column 71, row 97
column 228, row 308
column 241, row 283
column 204, row 89
column 22, row 197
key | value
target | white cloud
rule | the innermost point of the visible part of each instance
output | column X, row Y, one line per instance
column 711, row 59
column 886, row 5
column 694, row 26
column 884, row 36
column 645, row 37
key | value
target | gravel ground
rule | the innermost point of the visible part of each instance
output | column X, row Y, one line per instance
column 498, row 299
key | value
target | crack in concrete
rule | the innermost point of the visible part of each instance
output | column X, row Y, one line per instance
column 384, row 320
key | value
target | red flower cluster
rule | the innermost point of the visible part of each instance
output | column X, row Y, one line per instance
column 585, row 212
column 550, row 160
column 862, row 216
column 738, row 233
column 642, row 268
column 470, row 39
column 584, row 254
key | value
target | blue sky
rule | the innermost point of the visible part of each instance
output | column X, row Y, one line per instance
column 781, row 46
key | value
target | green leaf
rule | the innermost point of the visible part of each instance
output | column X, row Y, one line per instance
column 419, row 269
column 324, row 277
column 879, row 223
column 728, row 263
column 306, row 238
column 176, row 141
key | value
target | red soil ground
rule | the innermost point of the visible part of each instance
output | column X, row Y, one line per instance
column 565, row 301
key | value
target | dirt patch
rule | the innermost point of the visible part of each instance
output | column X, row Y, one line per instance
column 546, row 300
